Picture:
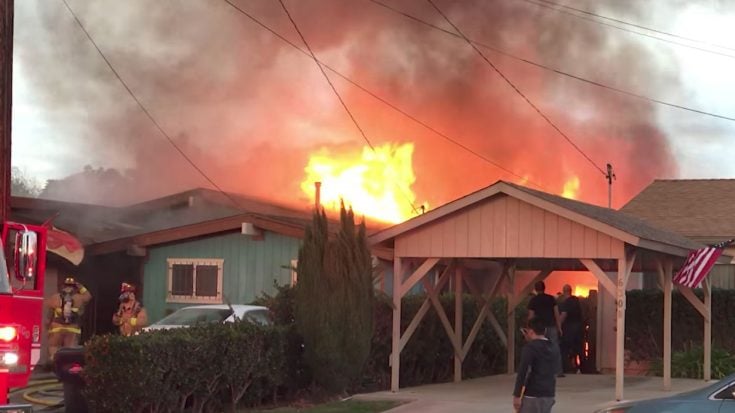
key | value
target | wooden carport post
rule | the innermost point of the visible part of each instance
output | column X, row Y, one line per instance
column 625, row 266
column 400, row 288
column 458, row 318
column 707, row 329
column 510, row 272
column 395, row 362
column 665, row 271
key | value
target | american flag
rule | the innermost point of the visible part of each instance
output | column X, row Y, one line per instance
column 699, row 263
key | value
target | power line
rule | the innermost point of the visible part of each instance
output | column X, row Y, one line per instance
column 554, row 70
column 321, row 69
column 385, row 101
column 146, row 111
column 344, row 105
column 515, row 88
column 547, row 6
column 639, row 26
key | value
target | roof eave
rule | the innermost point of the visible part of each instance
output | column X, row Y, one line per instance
column 675, row 250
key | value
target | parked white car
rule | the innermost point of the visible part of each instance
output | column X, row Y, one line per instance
column 196, row 314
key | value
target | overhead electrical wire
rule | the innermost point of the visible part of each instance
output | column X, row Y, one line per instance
column 560, row 10
column 387, row 102
column 518, row 91
column 636, row 25
column 554, row 70
column 336, row 92
column 147, row 112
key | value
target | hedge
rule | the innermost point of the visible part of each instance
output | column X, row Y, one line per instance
column 644, row 323
column 204, row 368
column 428, row 355
column 216, row 367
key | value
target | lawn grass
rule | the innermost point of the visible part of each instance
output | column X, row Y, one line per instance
column 349, row 406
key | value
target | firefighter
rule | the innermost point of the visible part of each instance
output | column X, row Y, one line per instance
column 130, row 317
column 66, row 307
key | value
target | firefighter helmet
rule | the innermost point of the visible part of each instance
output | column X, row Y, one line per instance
column 127, row 288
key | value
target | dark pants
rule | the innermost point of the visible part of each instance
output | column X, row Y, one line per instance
column 553, row 335
column 536, row 404
column 572, row 346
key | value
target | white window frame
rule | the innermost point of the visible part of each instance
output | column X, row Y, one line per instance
column 194, row 299
column 294, row 274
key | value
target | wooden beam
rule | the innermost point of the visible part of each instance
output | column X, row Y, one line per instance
column 665, row 274
column 693, row 299
column 484, row 313
column 418, row 275
column 706, row 287
column 595, row 269
column 396, row 338
column 629, row 262
column 623, row 273
column 227, row 224
column 511, row 347
column 416, row 321
column 432, row 292
column 458, row 319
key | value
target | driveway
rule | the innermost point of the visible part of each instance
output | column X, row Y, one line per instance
column 575, row 394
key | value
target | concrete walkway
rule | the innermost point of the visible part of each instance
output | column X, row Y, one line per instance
column 575, row 394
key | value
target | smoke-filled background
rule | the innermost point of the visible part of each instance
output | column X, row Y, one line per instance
column 249, row 109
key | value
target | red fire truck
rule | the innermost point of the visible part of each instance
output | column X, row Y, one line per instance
column 23, row 254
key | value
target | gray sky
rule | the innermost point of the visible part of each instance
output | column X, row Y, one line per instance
column 247, row 107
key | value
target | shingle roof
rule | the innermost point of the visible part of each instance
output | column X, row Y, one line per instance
column 703, row 209
column 94, row 224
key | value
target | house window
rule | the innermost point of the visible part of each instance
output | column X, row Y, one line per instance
column 194, row 280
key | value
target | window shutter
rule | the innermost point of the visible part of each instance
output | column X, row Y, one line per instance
column 182, row 279
column 206, row 280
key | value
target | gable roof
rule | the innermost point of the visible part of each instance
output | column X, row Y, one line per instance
column 614, row 223
column 94, row 224
column 702, row 209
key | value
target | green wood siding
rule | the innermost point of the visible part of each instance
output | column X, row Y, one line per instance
column 249, row 268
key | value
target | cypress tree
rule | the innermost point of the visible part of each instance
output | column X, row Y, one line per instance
column 334, row 301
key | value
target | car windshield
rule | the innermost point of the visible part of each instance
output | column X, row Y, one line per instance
column 191, row 316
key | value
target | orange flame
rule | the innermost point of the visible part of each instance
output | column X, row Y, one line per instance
column 376, row 184
column 571, row 188
column 583, row 290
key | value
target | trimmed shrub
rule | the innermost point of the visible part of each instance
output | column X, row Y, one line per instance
column 644, row 323
column 690, row 363
column 212, row 367
column 428, row 355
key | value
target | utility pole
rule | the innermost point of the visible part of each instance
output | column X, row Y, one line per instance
column 6, row 100
column 610, row 178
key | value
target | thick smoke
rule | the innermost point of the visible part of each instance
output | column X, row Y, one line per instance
column 248, row 109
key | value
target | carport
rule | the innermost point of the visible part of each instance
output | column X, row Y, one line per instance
column 514, row 236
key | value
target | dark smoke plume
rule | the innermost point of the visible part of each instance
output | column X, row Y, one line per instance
column 248, row 109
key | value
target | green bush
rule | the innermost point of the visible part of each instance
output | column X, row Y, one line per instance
column 644, row 323
column 428, row 356
column 211, row 367
column 334, row 301
column 690, row 363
